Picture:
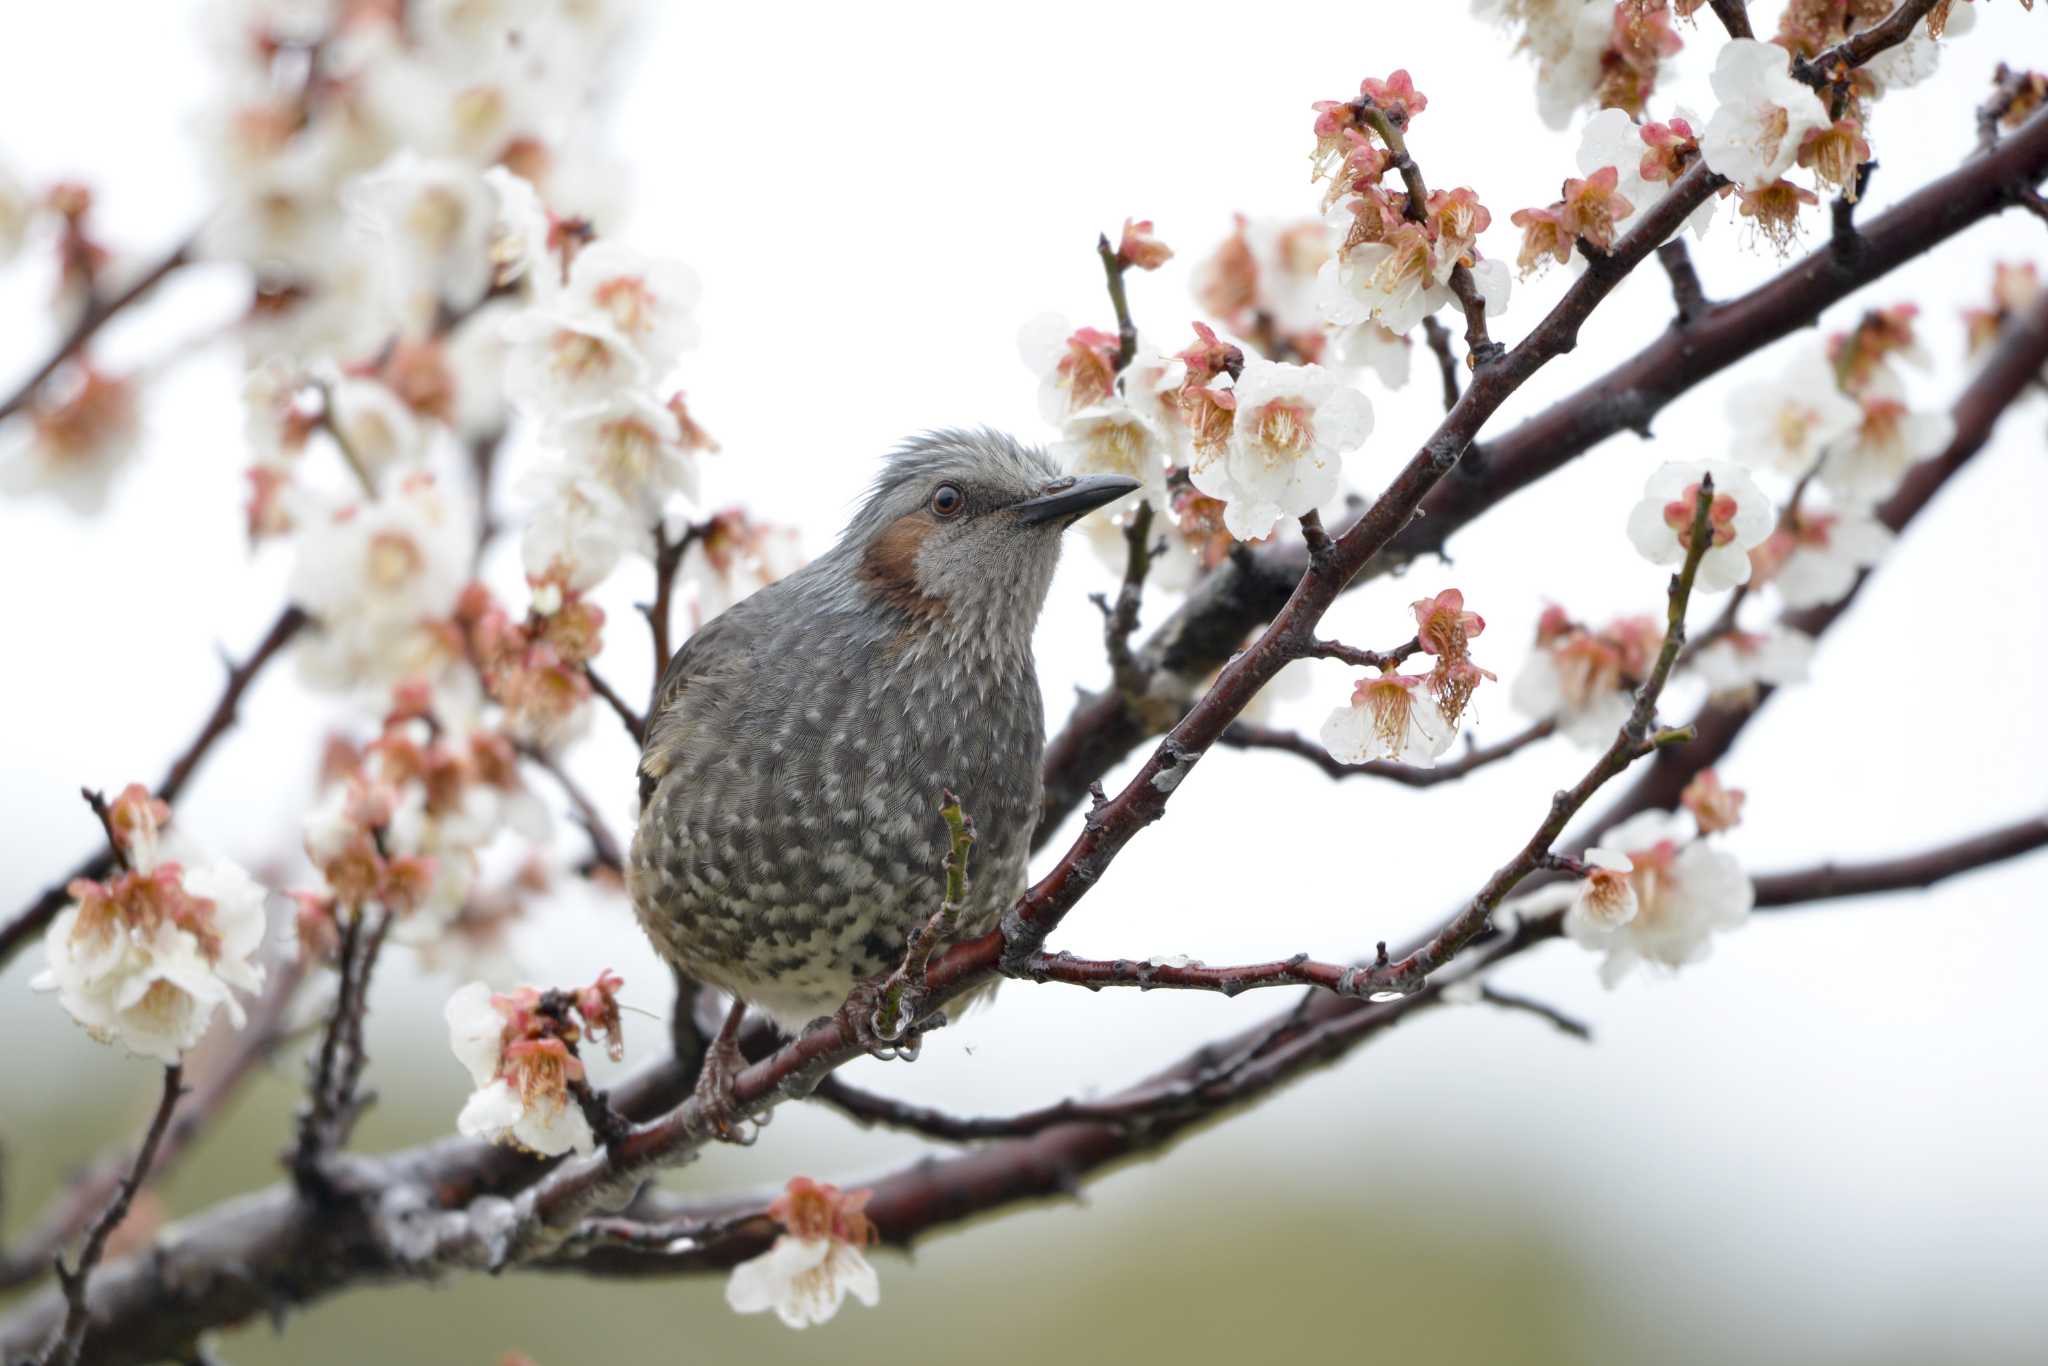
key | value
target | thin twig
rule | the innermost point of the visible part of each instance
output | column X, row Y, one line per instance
column 1113, row 268
column 31, row 921
column 64, row 1351
column 1120, row 619
column 1508, row 1000
column 89, row 324
column 1244, row 735
column 1446, row 363
column 606, row 851
column 635, row 724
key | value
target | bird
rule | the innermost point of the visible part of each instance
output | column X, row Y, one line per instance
column 799, row 743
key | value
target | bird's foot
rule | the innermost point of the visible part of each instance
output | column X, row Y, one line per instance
column 888, row 1017
column 717, row 1081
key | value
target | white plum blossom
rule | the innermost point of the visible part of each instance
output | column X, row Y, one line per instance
column 1076, row 367
column 476, row 352
column 620, row 323
column 634, row 446
column 1914, row 60
column 735, row 556
column 1400, row 281
column 1567, row 39
column 561, row 361
column 1740, row 660
column 1827, row 552
column 380, row 431
column 522, row 1079
column 1786, row 422
column 1285, row 454
column 1612, row 138
column 147, row 958
column 815, row 1264
column 1754, row 136
column 1390, row 716
column 1369, row 346
column 1114, row 438
column 579, row 528
column 519, row 232
column 1581, row 696
column 1151, row 385
column 1685, row 893
column 432, row 220
column 1739, row 517
column 77, row 440
column 650, row 301
column 1868, row 461
column 375, row 576
column 1606, row 895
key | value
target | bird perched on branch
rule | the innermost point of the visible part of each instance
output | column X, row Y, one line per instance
column 790, row 837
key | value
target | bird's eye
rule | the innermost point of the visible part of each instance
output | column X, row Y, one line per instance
column 948, row 500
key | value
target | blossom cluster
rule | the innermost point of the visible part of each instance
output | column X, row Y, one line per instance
column 1412, row 718
column 148, row 957
column 521, row 1049
column 402, row 822
column 1657, row 888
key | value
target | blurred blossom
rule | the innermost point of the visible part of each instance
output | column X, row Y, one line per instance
column 1739, row 517
column 1784, row 423
column 377, row 577
column 83, row 429
column 1685, row 892
column 815, row 1263
column 1739, row 661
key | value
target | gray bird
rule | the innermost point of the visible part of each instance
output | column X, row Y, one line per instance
column 789, row 836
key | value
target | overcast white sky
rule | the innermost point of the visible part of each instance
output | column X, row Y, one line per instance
column 1837, row 1121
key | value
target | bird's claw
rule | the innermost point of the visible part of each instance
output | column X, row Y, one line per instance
column 717, row 1086
column 865, row 1012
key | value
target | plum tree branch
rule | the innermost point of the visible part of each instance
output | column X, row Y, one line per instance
column 1244, row 592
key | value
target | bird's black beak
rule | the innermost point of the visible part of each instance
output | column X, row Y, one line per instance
column 1069, row 498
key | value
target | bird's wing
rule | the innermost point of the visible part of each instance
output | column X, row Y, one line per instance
column 687, row 696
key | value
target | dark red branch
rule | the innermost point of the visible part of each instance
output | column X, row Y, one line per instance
column 1915, row 872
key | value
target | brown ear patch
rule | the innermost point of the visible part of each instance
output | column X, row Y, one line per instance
column 889, row 566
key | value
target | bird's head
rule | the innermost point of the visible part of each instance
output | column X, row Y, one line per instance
column 962, row 530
